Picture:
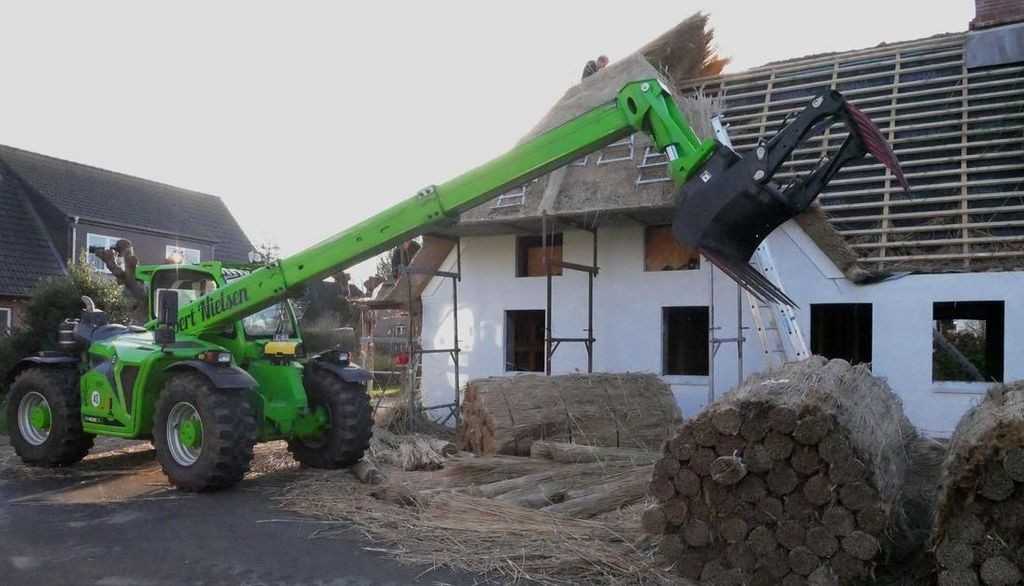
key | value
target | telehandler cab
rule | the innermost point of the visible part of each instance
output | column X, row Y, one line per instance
column 219, row 366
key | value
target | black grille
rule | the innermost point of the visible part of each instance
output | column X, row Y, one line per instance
column 128, row 374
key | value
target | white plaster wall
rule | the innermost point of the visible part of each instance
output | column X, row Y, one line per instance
column 627, row 317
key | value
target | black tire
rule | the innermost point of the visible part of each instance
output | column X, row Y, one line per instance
column 66, row 442
column 350, row 422
column 228, row 433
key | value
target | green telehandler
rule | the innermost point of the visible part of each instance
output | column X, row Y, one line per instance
column 219, row 366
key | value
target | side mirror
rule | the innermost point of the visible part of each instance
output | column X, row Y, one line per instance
column 166, row 317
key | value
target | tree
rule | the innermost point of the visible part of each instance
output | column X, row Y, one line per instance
column 54, row 300
column 266, row 253
column 384, row 267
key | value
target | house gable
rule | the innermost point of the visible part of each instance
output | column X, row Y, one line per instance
column 26, row 252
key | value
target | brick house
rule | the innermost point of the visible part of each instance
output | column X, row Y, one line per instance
column 52, row 211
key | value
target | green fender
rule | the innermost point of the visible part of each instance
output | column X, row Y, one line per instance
column 221, row 377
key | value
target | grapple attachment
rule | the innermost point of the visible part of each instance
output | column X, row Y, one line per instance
column 731, row 204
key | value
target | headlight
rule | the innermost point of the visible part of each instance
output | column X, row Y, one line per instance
column 215, row 358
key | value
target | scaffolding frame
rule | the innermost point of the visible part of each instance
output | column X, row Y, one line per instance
column 714, row 342
column 416, row 350
column 552, row 342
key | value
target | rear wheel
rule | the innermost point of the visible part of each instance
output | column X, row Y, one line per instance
column 349, row 422
column 45, row 419
column 203, row 436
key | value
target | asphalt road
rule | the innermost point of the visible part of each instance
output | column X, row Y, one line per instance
column 114, row 522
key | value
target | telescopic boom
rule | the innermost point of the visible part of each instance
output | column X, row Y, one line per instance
column 640, row 106
column 725, row 212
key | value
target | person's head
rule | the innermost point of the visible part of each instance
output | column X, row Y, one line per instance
column 602, row 61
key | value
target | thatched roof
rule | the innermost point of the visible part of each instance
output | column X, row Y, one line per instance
column 624, row 182
column 686, row 50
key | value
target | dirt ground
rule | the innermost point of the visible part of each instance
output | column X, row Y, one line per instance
column 114, row 520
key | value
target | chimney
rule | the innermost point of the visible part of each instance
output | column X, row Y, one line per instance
column 990, row 13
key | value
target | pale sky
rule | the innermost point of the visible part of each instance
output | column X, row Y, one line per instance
column 306, row 117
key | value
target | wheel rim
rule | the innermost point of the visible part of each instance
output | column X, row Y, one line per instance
column 184, row 434
column 322, row 412
column 34, row 418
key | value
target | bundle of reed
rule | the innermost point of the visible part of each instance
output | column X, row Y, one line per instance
column 980, row 512
column 409, row 452
column 795, row 476
column 507, row 414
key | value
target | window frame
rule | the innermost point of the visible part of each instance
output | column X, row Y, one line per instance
column 6, row 323
column 818, row 343
column 170, row 249
column 508, row 353
column 647, row 240
column 521, row 268
column 665, row 348
column 995, row 336
column 93, row 260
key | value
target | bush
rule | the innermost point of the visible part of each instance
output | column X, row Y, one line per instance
column 54, row 300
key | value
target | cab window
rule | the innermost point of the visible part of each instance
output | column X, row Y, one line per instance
column 269, row 322
column 190, row 285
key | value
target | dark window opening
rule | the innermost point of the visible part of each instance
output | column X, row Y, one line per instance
column 685, row 340
column 524, row 340
column 967, row 341
column 662, row 252
column 530, row 255
column 842, row 330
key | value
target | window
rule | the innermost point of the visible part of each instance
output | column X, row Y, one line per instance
column 190, row 285
column 621, row 150
column 188, row 256
column 511, row 199
column 842, row 330
column 530, row 255
column 99, row 241
column 524, row 340
column 6, row 320
column 662, row 252
column 685, row 340
column 967, row 341
column 271, row 321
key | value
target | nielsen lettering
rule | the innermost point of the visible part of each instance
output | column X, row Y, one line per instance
column 213, row 305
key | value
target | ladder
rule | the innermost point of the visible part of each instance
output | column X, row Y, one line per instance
column 776, row 325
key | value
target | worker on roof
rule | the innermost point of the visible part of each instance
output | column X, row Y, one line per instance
column 593, row 66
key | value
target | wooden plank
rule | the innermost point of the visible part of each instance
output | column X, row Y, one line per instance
column 941, row 227
column 931, row 214
column 941, row 242
column 964, row 218
column 952, row 256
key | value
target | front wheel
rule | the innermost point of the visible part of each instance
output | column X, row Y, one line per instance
column 45, row 419
column 203, row 436
column 349, row 422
